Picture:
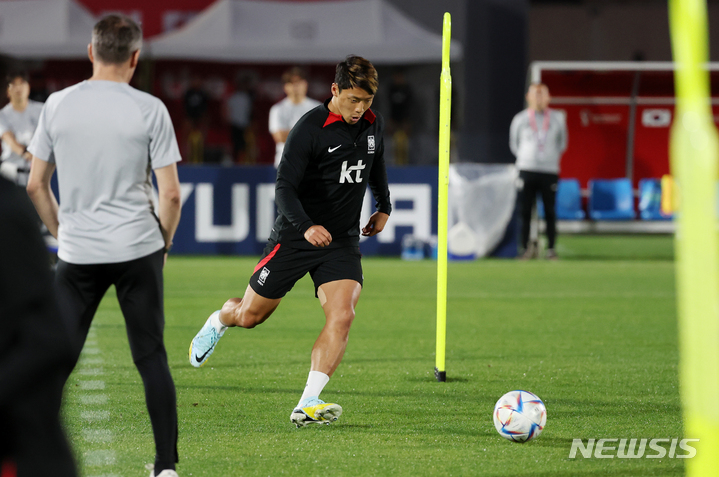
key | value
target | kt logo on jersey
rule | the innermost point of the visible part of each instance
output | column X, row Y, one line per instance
column 346, row 173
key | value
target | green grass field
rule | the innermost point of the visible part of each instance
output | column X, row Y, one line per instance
column 594, row 335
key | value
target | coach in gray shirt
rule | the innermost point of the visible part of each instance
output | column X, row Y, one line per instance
column 538, row 138
column 104, row 137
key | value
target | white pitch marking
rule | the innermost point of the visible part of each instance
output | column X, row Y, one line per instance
column 95, row 415
column 91, row 385
column 92, row 367
column 96, row 399
column 97, row 435
column 98, row 360
column 90, row 371
column 99, row 458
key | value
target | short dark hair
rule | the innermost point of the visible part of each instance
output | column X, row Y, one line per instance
column 14, row 74
column 115, row 38
column 537, row 84
column 293, row 72
column 356, row 72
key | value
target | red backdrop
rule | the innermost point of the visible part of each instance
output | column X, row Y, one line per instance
column 598, row 113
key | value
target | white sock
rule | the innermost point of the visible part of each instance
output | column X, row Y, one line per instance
column 215, row 321
column 316, row 382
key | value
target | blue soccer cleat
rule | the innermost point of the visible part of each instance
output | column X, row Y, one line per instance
column 203, row 344
column 315, row 411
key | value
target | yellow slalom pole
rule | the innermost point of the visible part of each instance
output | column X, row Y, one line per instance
column 694, row 152
column 445, row 109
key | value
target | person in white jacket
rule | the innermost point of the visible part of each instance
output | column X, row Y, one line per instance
column 538, row 138
column 286, row 113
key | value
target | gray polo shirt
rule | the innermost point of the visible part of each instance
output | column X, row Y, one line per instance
column 22, row 124
column 284, row 115
column 105, row 138
column 538, row 143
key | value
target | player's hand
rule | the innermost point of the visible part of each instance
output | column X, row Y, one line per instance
column 375, row 224
column 318, row 236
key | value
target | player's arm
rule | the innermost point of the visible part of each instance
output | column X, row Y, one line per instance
column 41, row 194
column 563, row 136
column 295, row 157
column 168, row 187
column 514, row 136
column 164, row 156
column 281, row 135
column 278, row 132
column 20, row 149
column 380, row 190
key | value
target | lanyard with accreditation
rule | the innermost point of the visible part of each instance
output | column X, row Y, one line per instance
column 540, row 135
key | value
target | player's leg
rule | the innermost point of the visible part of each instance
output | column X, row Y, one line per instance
column 249, row 311
column 246, row 312
column 338, row 281
column 527, row 198
column 549, row 195
column 339, row 299
column 139, row 285
column 275, row 275
column 79, row 289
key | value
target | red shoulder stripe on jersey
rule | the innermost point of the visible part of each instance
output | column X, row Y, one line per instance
column 267, row 258
column 370, row 116
column 332, row 118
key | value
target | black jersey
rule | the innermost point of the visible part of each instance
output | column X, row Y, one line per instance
column 323, row 175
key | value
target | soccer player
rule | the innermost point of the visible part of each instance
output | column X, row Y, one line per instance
column 18, row 120
column 331, row 155
column 286, row 113
column 538, row 138
column 104, row 137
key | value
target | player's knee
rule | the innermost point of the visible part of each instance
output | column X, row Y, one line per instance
column 152, row 360
column 343, row 319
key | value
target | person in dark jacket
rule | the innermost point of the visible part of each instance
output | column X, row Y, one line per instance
column 36, row 351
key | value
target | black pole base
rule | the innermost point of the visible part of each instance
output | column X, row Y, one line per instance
column 440, row 375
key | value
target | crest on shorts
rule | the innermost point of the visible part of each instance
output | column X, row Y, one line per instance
column 263, row 276
column 370, row 144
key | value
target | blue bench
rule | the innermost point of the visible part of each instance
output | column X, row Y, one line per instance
column 611, row 199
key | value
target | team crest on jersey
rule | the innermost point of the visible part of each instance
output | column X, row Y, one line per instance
column 263, row 276
column 370, row 144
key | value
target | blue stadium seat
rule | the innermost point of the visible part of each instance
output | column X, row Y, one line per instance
column 569, row 201
column 611, row 199
column 650, row 200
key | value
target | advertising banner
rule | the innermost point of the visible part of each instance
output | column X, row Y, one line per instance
column 231, row 210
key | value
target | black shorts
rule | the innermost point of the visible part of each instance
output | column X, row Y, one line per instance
column 280, row 267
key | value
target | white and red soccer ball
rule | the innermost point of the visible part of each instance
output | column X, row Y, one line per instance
column 520, row 416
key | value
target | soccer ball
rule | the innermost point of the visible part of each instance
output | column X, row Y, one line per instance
column 520, row 416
